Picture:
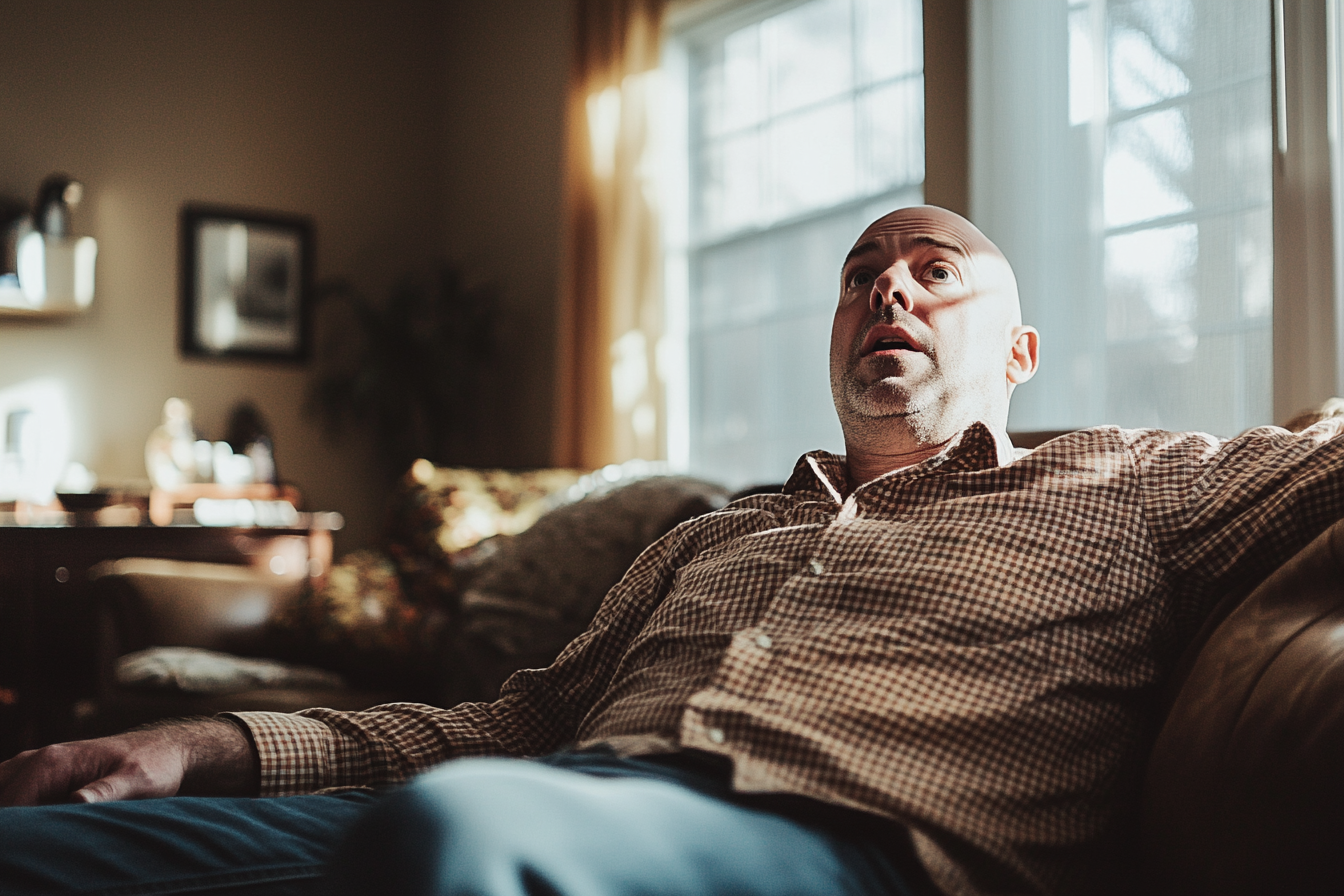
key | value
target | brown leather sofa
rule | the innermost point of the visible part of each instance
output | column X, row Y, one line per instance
column 1245, row 786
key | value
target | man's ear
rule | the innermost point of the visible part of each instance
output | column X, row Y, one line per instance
column 1022, row 354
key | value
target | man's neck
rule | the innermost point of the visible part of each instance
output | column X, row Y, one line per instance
column 867, row 458
column 865, row 465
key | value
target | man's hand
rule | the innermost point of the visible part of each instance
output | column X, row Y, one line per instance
column 189, row 756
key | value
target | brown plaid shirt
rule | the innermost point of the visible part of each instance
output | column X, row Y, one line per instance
column 972, row 646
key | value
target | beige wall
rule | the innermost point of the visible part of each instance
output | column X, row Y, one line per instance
column 410, row 131
column 506, row 64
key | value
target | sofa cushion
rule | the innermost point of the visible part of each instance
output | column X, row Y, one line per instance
column 437, row 607
column 438, row 512
column 192, row 670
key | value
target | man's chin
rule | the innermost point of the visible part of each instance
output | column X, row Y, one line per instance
column 883, row 398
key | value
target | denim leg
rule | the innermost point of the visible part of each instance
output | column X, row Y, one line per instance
column 238, row 846
column 503, row 827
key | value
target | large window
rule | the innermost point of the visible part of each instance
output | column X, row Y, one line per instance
column 1123, row 160
column 1159, row 172
column 804, row 121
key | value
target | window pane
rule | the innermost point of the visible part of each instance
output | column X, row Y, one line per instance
column 813, row 158
column 731, row 93
column 1147, row 46
column 808, row 55
column 891, row 129
column 1147, row 160
column 730, row 194
column 891, row 39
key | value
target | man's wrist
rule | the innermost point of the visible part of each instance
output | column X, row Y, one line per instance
column 218, row 756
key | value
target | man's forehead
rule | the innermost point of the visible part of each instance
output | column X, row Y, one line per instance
column 924, row 225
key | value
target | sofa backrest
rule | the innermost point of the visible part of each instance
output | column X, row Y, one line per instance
column 1245, row 787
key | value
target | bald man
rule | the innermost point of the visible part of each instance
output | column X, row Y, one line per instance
column 929, row 665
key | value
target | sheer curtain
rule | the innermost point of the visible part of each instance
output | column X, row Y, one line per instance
column 609, row 393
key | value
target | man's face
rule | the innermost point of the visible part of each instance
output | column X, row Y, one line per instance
column 925, row 327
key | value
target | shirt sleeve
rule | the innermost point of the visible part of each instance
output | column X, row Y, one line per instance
column 1223, row 514
column 538, row 709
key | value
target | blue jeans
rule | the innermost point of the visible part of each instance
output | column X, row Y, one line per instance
column 572, row 824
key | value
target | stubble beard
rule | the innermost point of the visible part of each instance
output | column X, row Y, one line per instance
column 876, row 407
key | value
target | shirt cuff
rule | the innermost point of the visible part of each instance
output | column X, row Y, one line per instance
column 294, row 754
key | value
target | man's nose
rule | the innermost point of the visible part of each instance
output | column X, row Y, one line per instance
column 891, row 288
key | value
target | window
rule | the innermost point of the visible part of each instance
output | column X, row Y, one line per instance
column 1122, row 157
column 1155, row 170
column 803, row 122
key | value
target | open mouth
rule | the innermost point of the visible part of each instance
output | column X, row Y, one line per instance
column 888, row 339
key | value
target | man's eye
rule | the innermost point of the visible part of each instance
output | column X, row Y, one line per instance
column 860, row 278
column 941, row 275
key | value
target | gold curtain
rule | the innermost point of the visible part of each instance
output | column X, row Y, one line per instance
column 609, row 396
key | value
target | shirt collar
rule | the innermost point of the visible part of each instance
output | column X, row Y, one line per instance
column 824, row 475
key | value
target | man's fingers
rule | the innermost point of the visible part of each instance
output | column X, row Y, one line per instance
column 39, row 776
column 129, row 780
column 104, row 790
column 85, row 771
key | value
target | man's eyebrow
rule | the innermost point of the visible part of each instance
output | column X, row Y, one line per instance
column 939, row 244
column 872, row 245
column 859, row 250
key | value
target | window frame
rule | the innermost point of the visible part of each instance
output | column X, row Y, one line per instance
column 1308, row 300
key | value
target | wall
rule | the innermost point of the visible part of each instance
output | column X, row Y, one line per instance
column 506, row 65
column 410, row 131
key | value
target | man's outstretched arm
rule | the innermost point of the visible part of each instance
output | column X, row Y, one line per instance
column 202, row 756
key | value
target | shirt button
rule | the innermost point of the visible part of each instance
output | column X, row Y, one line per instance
column 716, row 735
column 764, row 642
column 816, row 566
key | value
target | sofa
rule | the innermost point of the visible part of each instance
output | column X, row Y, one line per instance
column 1244, row 789
column 481, row 573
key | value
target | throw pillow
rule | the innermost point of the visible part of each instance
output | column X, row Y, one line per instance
column 538, row 590
column 195, row 671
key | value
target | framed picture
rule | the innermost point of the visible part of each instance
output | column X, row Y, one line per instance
column 246, row 283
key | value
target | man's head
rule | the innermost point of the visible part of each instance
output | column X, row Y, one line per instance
column 928, row 336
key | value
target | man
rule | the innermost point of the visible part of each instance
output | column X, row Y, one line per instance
column 929, row 665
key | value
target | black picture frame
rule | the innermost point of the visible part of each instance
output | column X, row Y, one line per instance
column 245, row 283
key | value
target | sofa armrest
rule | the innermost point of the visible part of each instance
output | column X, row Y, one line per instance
column 168, row 603
column 1245, row 786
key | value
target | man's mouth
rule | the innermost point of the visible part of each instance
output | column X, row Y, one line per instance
column 889, row 339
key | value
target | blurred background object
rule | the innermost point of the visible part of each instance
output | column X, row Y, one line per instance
column 43, row 267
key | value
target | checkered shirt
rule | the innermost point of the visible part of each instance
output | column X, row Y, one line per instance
column 973, row 646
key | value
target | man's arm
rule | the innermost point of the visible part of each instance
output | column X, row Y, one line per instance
column 1225, row 514
column 538, row 710
column 201, row 756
